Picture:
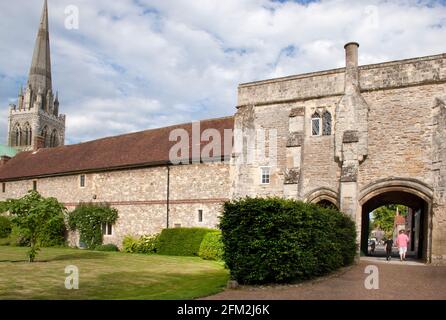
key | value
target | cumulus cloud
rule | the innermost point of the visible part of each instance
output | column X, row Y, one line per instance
column 138, row 64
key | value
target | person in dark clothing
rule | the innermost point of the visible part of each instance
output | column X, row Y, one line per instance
column 372, row 247
column 389, row 244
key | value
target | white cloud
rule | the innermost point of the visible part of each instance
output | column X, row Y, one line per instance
column 138, row 64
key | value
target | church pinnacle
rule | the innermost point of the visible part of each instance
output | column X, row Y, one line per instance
column 35, row 122
column 40, row 71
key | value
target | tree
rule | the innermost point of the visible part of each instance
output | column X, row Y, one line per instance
column 34, row 215
column 384, row 217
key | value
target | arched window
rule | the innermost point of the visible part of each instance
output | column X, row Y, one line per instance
column 326, row 123
column 53, row 139
column 45, row 136
column 315, row 124
column 16, row 136
column 28, row 135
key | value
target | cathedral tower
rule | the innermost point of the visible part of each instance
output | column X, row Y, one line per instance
column 35, row 121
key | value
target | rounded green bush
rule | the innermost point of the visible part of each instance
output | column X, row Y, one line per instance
column 181, row 241
column 211, row 247
column 278, row 240
column 107, row 247
column 5, row 227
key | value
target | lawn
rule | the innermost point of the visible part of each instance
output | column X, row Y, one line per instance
column 107, row 275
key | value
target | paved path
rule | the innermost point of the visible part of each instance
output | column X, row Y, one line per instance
column 397, row 280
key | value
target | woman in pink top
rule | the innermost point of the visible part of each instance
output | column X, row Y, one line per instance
column 402, row 240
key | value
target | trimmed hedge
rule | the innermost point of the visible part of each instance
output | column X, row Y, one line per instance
column 277, row 240
column 5, row 227
column 144, row 244
column 107, row 247
column 181, row 241
column 211, row 247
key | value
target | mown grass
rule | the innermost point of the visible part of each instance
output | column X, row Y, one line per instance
column 107, row 275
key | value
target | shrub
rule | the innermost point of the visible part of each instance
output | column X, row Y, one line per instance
column 211, row 247
column 181, row 241
column 5, row 227
column 107, row 247
column 88, row 218
column 38, row 220
column 145, row 244
column 129, row 244
column 278, row 240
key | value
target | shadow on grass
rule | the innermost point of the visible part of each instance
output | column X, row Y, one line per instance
column 79, row 256
column 72, row 256
column 141, row 285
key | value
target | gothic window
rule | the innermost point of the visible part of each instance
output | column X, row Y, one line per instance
column 45, row 136
column 315, row 124
column 28, row 135
column 53, row 139
column 17, row 136
column 326, row 123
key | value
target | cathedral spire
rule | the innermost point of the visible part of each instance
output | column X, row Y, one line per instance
column 40, row 71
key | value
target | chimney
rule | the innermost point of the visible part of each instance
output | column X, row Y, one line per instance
column 351, row 67
column 39, row 143
column 4, row 160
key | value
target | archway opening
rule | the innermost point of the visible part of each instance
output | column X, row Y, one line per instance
column 327, row 204
column 412, row 217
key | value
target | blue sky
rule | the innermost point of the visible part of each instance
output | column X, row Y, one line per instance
column 139, row 64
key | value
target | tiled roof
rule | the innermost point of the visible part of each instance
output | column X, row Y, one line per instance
column 145, row 148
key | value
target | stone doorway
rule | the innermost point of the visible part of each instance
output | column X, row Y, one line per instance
column 417, row 221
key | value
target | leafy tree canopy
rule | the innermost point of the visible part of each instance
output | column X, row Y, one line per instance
column 384, row 217
column 33, row 215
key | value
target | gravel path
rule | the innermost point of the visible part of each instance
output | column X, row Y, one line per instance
column 406, row 280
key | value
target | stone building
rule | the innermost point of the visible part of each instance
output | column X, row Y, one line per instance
column 36, row 119
column 356, row 138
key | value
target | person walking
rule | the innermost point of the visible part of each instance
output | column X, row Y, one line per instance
column 389, row 244
column 402, row 240
column 372, row 247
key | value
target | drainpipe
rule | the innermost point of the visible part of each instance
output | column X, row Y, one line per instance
column 168, row 197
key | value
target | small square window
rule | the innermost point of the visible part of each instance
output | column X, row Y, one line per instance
column 200, row 215
column 82, row 180
column 107, row 229
column 265, row 175
column 35, row 185
column 177, row 225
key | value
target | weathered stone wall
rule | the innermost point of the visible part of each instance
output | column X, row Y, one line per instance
column 439, row 180
column 386, row 75
column 400, row 134
column 396, row 134
column 140, row 196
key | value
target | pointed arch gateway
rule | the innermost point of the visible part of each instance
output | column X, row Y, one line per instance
column 325, row 197
column 411, row 193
